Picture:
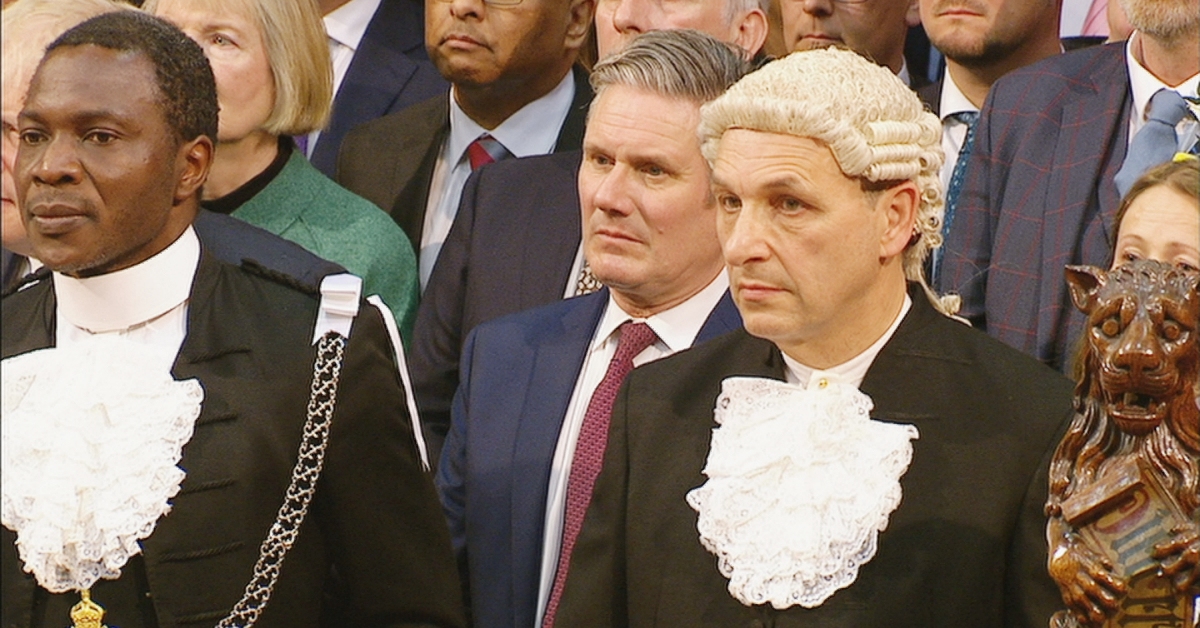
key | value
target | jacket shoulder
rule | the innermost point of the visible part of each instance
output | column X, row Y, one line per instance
column 1038, row 83
column 382, row 131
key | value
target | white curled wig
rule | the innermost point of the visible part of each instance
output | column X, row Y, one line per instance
column 876, row 127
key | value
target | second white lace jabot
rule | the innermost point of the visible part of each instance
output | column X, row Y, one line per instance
column 800, row 483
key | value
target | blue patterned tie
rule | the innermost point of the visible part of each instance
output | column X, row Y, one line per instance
column 1155, row 143
column 954, row 189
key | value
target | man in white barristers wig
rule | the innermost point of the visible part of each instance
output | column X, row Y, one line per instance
column 870, row 461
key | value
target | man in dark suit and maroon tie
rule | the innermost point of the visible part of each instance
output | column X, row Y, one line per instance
column 530, row 417
column 515, row 242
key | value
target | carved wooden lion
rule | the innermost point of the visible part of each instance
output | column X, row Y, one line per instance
column 1125, row 480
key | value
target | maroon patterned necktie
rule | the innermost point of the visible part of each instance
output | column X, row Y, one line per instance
column 485, row 150
column 589, row 450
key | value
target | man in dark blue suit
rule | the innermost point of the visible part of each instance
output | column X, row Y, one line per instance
column 1039, row 191
column 380, row 67
column 533, row 384
column 515, row 243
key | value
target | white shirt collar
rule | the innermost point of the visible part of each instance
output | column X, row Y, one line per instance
column 524, row 133
column 677, row 327
column 1144, row 85
column 348, row 23
column 122, row 299
column 953, row 100
column 852, row 371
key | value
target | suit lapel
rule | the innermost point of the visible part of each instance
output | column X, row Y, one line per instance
column 570, row 136
column 378, row 73
column 206, row 341
column 547, row 257
column 891, row 378
column 549, row 384
column 1091, row 146
column 421, row 140
column 931, row 96
column 724, row 318
column 38, row 308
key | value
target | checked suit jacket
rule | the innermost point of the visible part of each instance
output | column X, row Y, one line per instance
column 519, row 373
column 373, row 549
column 1039, row 194
column 390, row 161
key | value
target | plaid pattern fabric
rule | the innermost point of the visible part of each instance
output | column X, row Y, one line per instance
column 1039, row 195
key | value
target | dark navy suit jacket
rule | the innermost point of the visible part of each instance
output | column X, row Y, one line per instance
column 518, row 375
column 390, row 71
column 511, row 248
column 1039, row 195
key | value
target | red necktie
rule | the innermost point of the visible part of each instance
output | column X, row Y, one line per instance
column 589, row 450
column 485, row 150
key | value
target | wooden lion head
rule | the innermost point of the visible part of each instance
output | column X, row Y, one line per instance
column 1138, row 392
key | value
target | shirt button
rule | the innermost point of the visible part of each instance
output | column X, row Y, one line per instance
column 823, row 383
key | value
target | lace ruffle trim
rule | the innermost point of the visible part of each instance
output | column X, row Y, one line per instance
column 800, row 483
column 92, row 435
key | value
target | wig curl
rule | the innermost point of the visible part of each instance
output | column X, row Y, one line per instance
column 874, row 124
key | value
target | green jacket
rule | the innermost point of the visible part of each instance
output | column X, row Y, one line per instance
column 308, row 208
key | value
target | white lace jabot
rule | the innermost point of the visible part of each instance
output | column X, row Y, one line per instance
column 800, row 483
column 92, row 435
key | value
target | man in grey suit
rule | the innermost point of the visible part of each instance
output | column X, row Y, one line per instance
column 870, row 461
column 513, row 93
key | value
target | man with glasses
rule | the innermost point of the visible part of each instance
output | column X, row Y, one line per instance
column 873, row 28
column 513, row 94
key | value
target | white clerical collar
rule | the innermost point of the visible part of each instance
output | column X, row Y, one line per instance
column 1143, row 85
column 953, row 100
column 677, row 327
column 348, row 23
column 532, row 130
column 122, row 299
column 852, row 371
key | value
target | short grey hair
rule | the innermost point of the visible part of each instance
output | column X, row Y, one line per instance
column 681, row 63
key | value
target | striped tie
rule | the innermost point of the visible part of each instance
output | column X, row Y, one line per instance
column 485, row 150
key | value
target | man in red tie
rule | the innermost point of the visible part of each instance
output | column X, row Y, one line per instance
column 515, row 91
column 530, row 420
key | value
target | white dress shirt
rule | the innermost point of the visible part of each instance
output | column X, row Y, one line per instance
column 1143, row 85
column 532, row 130
column 954, row 131
column 676, row 329
column 345, row 27
column 852, row 371
column 145, row 303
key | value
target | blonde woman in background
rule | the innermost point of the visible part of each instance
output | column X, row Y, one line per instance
column 274, row 81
